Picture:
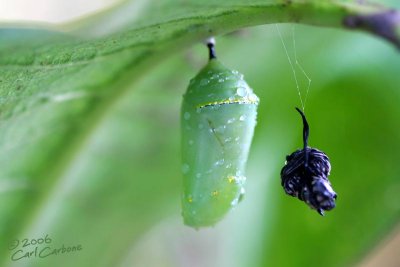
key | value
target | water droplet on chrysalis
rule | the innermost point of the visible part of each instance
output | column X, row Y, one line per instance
column 241, row 91
column 186, row 116
column 185, row 168
column 219, row 162
column 204, row 82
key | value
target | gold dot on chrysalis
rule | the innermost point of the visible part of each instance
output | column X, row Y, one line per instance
column 214, row 193
column 190, row 199
column 231, row 179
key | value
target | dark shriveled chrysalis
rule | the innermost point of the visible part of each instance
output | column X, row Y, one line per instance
column 305, row 175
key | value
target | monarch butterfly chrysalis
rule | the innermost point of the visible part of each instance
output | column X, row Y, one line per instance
column 218, row 117
column 305, row 175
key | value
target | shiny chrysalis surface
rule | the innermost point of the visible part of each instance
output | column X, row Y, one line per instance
column 305, row 175
column 218, row 117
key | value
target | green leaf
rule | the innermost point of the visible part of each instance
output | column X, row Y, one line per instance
column 83, row 161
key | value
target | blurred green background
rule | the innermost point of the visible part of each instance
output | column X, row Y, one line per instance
column 119, row 197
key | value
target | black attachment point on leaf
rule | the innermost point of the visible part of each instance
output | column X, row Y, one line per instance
column 211, row 50
column 306, row 132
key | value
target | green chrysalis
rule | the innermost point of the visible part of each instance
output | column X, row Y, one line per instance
column 218, row 117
